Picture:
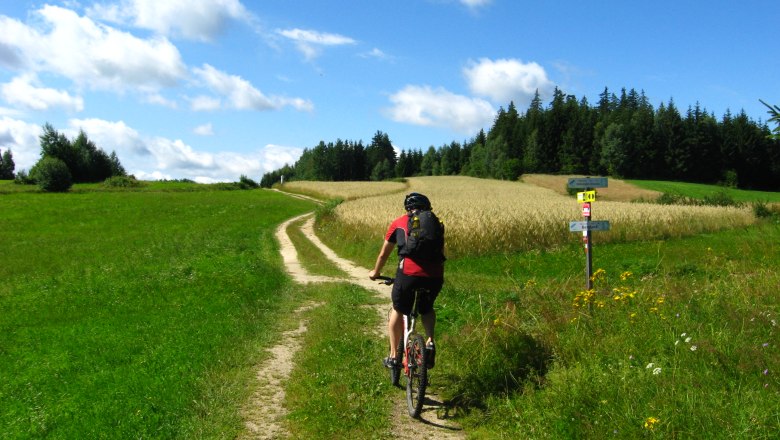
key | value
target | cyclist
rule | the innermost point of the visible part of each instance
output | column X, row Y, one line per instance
column 410, row 275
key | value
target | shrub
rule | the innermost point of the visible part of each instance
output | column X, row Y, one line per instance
column 247, row 183
column 764, row 210
column 122, row 182
column 720, row 198
column 670, row 199
column 730, row 179
column 52, row 175
column 22, row 178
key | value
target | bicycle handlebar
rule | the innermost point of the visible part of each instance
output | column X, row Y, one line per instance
column 386, row 280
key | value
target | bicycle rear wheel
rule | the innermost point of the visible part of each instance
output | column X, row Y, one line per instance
column 417, row 377
column 395, row 372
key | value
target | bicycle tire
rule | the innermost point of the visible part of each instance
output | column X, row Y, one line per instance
column 395, row 372
column 417, row 377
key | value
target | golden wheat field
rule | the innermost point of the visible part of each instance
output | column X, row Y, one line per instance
column 343, row 190
column 484, row 216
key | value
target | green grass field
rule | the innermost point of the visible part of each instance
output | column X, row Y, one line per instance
column 678, row 339
column 136, row 314
column 700, row 191
column 144, row 313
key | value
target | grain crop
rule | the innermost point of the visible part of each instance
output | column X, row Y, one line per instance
column 488, row 216
column 343, row 190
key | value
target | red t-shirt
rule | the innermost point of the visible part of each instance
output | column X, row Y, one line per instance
column 411, row 267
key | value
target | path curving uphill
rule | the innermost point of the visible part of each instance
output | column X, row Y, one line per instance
column 263, row 417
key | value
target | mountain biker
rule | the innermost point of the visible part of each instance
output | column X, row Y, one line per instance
column 410, row 275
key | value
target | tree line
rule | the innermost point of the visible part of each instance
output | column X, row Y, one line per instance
column 64, row 162
column 621, row 135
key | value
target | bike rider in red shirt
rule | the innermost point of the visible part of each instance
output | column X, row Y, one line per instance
column 410, row 275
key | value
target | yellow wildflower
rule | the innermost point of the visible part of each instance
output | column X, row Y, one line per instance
column 650, row 423
column 598, row 274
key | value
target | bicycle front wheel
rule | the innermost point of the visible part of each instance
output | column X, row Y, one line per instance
column 417, row 376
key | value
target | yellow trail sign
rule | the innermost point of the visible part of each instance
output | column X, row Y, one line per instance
column 586, row 196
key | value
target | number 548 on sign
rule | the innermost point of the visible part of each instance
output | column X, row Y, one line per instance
column 586, row 196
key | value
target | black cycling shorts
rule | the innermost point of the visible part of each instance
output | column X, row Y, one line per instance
column 403, row 293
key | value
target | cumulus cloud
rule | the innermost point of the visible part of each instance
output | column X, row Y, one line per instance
column 91, row 54
column 506, row 80
column 158, row 99
column 22, row 139
column 311, row 43
column 23, row 92
column 423, row 105
column 112, row 136
column 239, row 94
column 376, row 54
column 204, row 103
column 162, row 158
column 277, row 156
column 8, row 55
column 204, row 130
column 200, row 20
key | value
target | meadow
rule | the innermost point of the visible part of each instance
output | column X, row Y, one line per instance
column 144, row 313
column 136, row 314
column 677, row 339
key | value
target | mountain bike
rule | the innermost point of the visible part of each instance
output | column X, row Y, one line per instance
column 412, row 357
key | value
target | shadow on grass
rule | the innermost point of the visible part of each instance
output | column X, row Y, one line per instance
column 490, row 360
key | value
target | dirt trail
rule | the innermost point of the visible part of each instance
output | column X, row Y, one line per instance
column 264, row 414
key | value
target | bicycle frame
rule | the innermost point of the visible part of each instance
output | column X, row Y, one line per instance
column 410, row 322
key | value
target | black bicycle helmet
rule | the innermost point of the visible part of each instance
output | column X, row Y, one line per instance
column 416, row 201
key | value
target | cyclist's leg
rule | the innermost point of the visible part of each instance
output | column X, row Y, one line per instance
column 395, row 330
column 402, row 305
column 429, row 323
column 425, row 305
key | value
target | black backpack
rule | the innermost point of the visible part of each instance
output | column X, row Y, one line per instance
column 425, row 239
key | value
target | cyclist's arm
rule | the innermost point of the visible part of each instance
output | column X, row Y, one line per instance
column 381, row 259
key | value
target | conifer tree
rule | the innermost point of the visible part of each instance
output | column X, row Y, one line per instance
column 7, row 165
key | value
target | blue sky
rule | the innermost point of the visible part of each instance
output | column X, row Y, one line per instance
column 212, row 89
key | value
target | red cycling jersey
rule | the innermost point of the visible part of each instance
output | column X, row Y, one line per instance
column 420, row 268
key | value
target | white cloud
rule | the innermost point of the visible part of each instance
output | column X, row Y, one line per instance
column 204, row 130
column 240, row 94
column 311, row 43
column 377, row 54
column 176, row 155
column 200, row 20
column 12, row 112
column 506, row 80
column 21, row 91
column 22, row 139
column 112, row 136
column 475, row 3
column 204, row 103
column 277, row 156
column 8, row 55
column 158, row 99
column 161, row 158
column 91, row 54
column 423, row 105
